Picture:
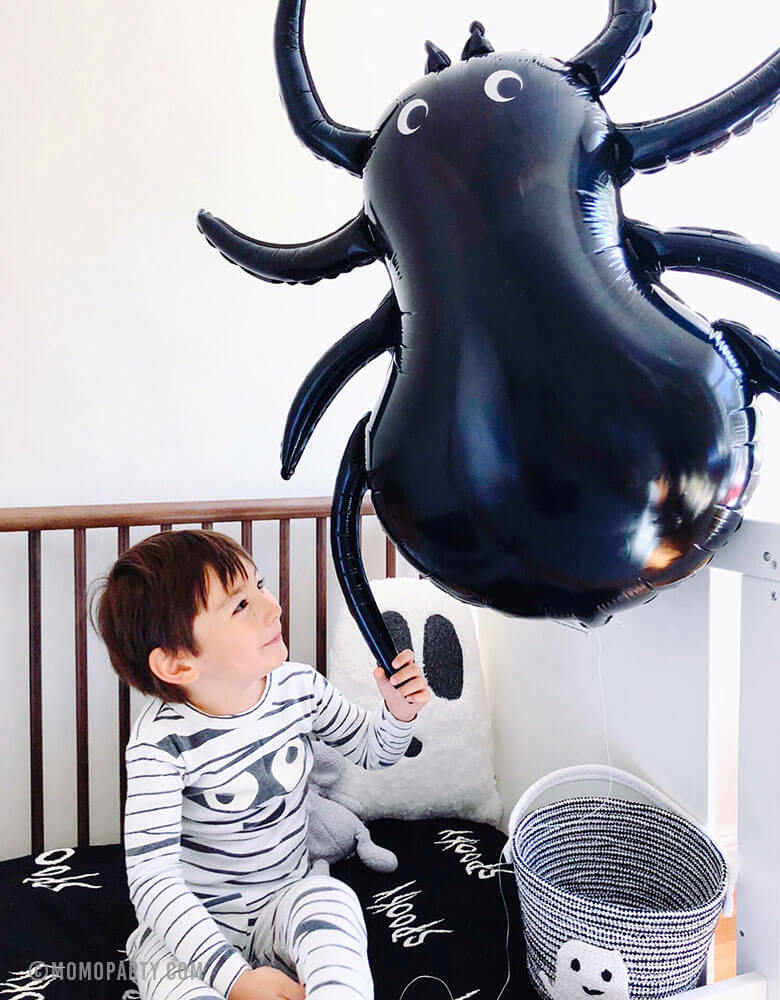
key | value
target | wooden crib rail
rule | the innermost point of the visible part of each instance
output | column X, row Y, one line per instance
column 134, row 514
column 79, row 519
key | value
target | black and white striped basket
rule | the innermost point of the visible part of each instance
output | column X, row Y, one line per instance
column 619, row 898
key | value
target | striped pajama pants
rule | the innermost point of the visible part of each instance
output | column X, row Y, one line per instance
column 313, row 930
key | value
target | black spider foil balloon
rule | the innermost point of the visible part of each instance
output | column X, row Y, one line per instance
column 559, row 434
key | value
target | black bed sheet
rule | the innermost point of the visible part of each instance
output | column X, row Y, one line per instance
column 439, row 916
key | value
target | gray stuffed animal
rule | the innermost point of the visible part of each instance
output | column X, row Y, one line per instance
column 334, row 831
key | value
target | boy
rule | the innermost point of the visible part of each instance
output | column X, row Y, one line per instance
column 217, row 764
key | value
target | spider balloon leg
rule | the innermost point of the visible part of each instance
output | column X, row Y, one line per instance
column 650, row 145
column 348, row 493
column 759, row 361
column 603, row 60
column 379, row 333
column 345, row 147
column 725, row 255
column 706, row 251
column 349, row 247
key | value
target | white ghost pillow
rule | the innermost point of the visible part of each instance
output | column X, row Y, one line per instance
column 451, row 772
column 582, row 970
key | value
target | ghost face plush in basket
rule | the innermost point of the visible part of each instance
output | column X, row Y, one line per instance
column 448, row 768
column 582, row 970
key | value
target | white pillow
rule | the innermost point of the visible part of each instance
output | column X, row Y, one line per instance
column 452, row 775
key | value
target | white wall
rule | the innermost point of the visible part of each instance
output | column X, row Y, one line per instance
column 138, row 365
column 655, row 693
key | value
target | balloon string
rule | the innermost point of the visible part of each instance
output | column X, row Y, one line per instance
column 605, row 731
column 604, row 715
column 503, row 869
column 500, row 870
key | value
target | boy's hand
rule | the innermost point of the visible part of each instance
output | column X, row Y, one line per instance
column 406, row 692
column 265, row 983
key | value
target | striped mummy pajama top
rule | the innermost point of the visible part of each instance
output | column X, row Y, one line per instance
column 215, row 816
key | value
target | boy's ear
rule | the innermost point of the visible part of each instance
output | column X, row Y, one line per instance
column 171, row 668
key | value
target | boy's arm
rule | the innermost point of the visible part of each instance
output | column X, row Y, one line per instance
column 370, row 739
column 162, row 900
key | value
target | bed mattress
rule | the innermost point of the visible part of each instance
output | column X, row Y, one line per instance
column 65, row 916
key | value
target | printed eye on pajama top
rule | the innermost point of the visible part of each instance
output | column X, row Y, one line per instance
column 216, row 826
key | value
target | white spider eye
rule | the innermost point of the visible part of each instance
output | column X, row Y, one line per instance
column 235, row 796
column 288, row 764
column 403, row 118
column 493, row 81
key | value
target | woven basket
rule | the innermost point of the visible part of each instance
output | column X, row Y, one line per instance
column 618, row 898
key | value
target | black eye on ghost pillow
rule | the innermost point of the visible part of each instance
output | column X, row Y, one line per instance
column 402, row 639
column 443, row 658
column 442, row 652
column 398, row 629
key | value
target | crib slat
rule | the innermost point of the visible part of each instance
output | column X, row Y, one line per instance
column 284, row 578
column 389, row 558
column 322, row 617
column 123, row 544
column 36, row 703
column 82, row 742
column 246, row 536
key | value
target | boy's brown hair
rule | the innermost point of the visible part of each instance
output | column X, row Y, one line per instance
column 151, row 596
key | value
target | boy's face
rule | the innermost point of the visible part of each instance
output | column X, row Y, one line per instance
column 239, row 633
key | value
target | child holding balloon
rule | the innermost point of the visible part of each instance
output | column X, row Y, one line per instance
column 217, row 766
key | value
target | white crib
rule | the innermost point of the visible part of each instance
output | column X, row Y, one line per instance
column 754, row 554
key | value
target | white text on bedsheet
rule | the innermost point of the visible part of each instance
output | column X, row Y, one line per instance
column 27, row 984
column 466, row 846
column 396, row 906
column 52, row 875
